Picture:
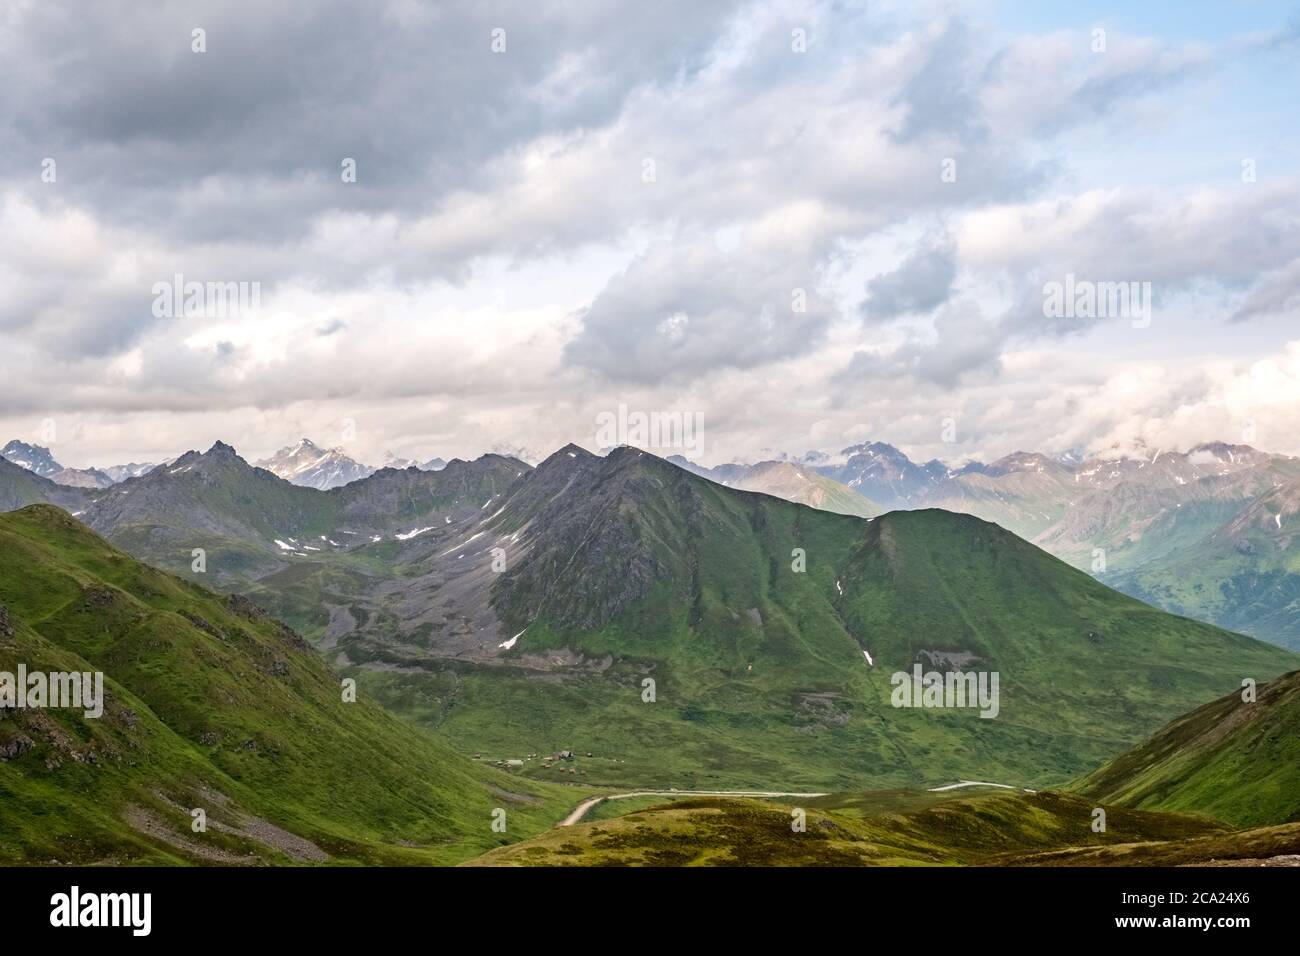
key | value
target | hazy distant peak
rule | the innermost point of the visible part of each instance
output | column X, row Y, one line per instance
column 35, row 458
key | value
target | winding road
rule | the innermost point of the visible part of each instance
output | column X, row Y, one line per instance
column 591, row 803
column 977, row 783
column 587, row 805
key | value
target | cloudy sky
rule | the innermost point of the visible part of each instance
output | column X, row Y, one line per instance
column 811, row 224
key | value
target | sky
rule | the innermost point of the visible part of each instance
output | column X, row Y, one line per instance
column 481, row 226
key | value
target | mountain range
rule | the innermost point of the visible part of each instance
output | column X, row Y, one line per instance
column 224, row 739
column 311, row 466
column 1205, row 533
column 303, row 463
column 40, row 461
column 679, row 631
column 470, row 597
column 784, row 479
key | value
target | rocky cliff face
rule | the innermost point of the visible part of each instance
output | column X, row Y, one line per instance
column 581, row 567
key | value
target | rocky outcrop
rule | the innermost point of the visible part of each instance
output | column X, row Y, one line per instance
column 15, row 747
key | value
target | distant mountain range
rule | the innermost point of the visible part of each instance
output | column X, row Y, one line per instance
column 133, row 470
column 882, row 474
column 40, row 461
column 793, row 482
column 304, row 463
column 310, row 466
column 1207, row 533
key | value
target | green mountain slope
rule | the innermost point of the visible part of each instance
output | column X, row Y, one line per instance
column 1243, row 573
column 626, row 568
column 1168, row 522
column 212, row 705
column 20, row 487
column 1236, row 761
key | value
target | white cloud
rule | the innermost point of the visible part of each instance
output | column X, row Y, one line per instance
column 502, row 272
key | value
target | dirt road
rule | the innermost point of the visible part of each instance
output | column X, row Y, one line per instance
column 587, row 805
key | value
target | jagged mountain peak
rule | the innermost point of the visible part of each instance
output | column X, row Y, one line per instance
column 35, row 458
column 311, row 466
column 881, row 473
column 220, row 449
column 39, row 460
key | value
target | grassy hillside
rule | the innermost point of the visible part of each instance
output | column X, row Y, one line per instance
column 1262, row 846
column 1193, row 533
column 712, row 831
column 1238, row 762
column 211, row 705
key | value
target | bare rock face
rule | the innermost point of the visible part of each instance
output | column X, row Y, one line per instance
column 16, row 747
column 99, row 597
column 586, row 566
column 238, row 604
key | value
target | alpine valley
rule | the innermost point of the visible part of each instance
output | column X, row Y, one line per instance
column 601, row 434
column 670, row 628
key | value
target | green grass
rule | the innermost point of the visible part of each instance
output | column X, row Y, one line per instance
column 1234, row 760
column 613, row 809
column 711, row 831
column 1261, row 846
